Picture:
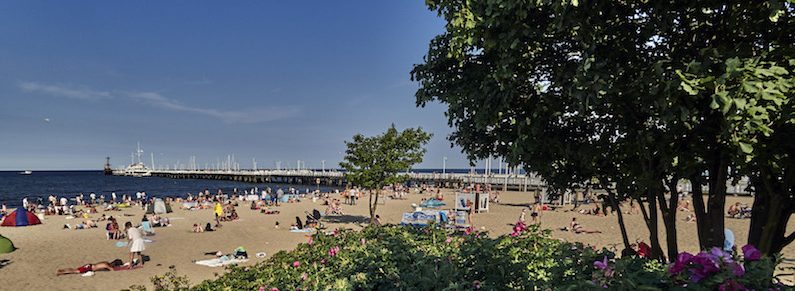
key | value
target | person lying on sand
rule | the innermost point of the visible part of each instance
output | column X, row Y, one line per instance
column 197, row 228
column 98, row 266
column 691, row 218
column 577, row 228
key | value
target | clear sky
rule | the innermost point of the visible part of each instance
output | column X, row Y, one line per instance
column 276, row 80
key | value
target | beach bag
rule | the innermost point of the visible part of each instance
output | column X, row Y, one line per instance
column 240, row 252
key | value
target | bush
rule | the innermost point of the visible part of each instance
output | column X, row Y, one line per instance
column 406, row 258
column 395, row 257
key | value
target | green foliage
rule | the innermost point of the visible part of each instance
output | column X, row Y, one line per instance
column 374, row 162
column 394, row 257
column 377, row 161
column 636, row 93
column 407, row 258
column 171, row 281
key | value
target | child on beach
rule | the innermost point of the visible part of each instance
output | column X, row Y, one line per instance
column 136, row 238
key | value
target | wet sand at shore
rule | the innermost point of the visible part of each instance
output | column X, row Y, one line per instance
column 45, row 248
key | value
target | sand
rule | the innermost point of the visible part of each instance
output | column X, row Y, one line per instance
column 45, row 248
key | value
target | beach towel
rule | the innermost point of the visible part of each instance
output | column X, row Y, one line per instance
column 302, row 230
column 219, row 262
column 432, row 203
column 127, row 267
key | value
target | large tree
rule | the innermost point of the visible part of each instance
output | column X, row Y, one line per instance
column 377, row 161
column 601, row 88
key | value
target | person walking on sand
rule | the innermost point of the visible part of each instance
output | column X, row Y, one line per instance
column 136, row 239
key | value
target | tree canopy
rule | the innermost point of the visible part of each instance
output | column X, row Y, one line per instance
column 636, row 93
column 377, row 161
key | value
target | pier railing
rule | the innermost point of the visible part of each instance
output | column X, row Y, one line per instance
column 529, row 182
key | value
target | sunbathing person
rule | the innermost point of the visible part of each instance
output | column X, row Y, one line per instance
column 684, row 205
column 98, row 266
column 197, row 228
column 691, row 218
column 577, row 228
column 734, row 210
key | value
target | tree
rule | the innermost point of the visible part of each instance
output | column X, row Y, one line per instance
column 378, row 161
column 602, row 87
column 753, row 96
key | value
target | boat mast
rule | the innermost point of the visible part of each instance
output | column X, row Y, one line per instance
column 139, row 152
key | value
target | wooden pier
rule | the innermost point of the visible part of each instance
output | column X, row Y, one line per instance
column 503, row 182
column 336, row 178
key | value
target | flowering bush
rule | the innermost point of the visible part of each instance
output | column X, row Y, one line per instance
column 715, row 269
column 407, row 258
column 395, row 257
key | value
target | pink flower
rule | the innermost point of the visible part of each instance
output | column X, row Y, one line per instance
column 296, row 264
column 363, row 241
column 323, row 261
column 449, row 240
column 681, row 263
column 304, row 276
column 468, row 230
column 601, row 265
column 310, row 241
column 274, row 289
column 737, row 269
column 333, row 251
column 750, row 253
column 261, row 288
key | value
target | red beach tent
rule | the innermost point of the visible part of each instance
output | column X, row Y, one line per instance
column 20, row 217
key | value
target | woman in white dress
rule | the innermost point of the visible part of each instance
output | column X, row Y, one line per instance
column 136, row 239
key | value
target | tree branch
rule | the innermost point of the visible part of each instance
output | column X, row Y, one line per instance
column 788, row 239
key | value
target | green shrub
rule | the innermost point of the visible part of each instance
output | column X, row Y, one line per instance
column 407, row 258
column 395, row 257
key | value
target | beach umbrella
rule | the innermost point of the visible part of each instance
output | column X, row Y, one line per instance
column 20, row 217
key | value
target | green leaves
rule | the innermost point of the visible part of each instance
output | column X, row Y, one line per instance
column 374, row 162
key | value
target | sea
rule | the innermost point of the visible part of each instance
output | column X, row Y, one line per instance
column 14, row 187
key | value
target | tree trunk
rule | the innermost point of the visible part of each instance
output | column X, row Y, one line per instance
column 769, row 216
column 654, row 235
column 617, row 208
column 668, row 210
column 710, row 219
column 374, row 204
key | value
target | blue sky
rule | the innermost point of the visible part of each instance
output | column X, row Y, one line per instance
column 280, row 80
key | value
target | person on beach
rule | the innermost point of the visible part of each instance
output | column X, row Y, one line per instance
column 535, row 214
column 575, row 227
column 219, row 212
column 197, row 228
column 136, row 239
column 98, row 266
column 522, row 215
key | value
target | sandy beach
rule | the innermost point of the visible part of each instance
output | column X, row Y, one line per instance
column 45, row 248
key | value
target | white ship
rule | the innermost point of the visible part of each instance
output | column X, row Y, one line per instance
column 26, row 172
column 136, row 168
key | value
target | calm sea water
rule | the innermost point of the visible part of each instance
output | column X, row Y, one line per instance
column 14, row 187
